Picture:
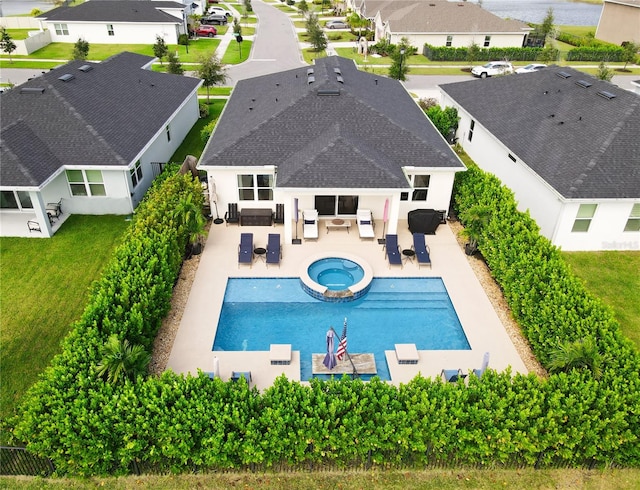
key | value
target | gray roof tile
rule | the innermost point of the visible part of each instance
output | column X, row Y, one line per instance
column 115, row 11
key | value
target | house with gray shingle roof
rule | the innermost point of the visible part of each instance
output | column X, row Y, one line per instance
column 332, row 137
column 88, row 135
column 567, row 145
column 443, row 23
column 117, row 22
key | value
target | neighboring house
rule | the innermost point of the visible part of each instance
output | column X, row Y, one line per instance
column 567, row 144
column 619, row 21
column 441, row 23
column 332, row 138
column 91, row 135
column 117, row 22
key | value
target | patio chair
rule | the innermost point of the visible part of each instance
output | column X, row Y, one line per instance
column 34, row 226
column 392, row 250
column 245, row 249
column 365, row 223
column 421, row 249
column 274, row 250
column 54, row 210
column 278, row 216
column 310, row 224
column 452, row 375
column 232, row 215
column 238, row 375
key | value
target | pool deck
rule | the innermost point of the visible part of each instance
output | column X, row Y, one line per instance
column 219, row 261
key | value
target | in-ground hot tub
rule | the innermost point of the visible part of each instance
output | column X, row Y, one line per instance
column 336, row 277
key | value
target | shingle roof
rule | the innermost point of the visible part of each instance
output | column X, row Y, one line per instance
column 360, row 138
column 105, row 116
column 114, row 11
column 441, row 16
column 584, row 145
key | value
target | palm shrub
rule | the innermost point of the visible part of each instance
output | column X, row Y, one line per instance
column 122, row 361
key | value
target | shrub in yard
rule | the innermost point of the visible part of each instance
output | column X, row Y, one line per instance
column 204, row 110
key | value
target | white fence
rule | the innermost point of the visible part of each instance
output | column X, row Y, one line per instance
column 37, row 39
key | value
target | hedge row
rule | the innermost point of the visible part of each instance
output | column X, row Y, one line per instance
column 589, row 53
column 191, row 423
column 440, row 53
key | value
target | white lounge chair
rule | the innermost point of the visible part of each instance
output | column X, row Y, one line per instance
column 365, row 223
column 310, row 224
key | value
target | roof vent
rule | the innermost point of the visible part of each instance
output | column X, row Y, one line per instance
column 340, row 79
column 326, row 92
column 337, row 71
column 32, row 90
column 310, row 71
column 563, row 74
column 606, row 95
column 583, row 84
column 85, row 68
column 310, row 79
column 66, row 77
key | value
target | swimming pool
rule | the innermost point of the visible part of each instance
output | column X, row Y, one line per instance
column 259, row 312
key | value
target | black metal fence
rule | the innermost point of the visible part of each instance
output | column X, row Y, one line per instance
column 18, row 461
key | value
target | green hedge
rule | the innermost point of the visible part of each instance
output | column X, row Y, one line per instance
column 440, row 53
column 589, row 53
column 191, row 423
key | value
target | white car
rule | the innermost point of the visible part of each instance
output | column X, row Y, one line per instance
column 492, row 69
column 531, row 68
column 219, row 10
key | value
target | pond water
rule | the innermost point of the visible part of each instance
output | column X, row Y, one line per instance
column 565, row 12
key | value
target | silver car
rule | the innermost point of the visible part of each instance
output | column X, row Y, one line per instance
column 336, row 24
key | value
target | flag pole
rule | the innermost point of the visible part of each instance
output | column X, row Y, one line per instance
column 346, row 351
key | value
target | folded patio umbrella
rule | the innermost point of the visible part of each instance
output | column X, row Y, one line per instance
column 330, row 359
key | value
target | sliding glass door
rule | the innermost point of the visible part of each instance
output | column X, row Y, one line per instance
column 336, row 205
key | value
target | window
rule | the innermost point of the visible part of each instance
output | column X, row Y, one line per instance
column 487, row 41
column 512, row 158
column 168, row 133
column 473, row 125
column 449, row 41
column 420, row 187
column 86, row 182
column 336, row 205
column 110, row 30
column 404, row 196
column 252, row 187
column 15, row 200
column 633, row 223
column 584, row 217
column 61, row 29
column 136, row 173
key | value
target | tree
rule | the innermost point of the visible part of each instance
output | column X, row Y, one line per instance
column 357, row 22
column 160, row 49
column 80, row 49
column 399, row 66
column 175, row 66
column 579, row 354
column 547, row 23
column 445, row 120
column 630, row 52
column 473, row 53
column 475, row 219
column 548, row 54
column 604, row 72
column 7, row 44
column 212, row 72
column 315, row 34
column 122, row 361
column 191, row 220
column 303, row 7
column 237, row 28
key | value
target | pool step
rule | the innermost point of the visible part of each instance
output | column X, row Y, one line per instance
column 406, row 296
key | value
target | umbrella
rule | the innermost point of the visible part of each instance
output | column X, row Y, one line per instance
column 330, row 359
column 295, row 218
column 216, row 367
column 214, row 198
column 485, row 362
column 385, row 218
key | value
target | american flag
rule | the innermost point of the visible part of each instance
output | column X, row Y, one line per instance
column 342, row 345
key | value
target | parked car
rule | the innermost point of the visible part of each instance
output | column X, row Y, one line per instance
column 336, row 24
column 492, row 69
column 219, row 10
column 214, row 18
column 531, row 68
column 206, row 31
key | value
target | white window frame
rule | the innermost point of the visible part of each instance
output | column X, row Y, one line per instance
column 61, row 29
column 449, row 41
column 168, row 131
column 110, row 30
column 90, row 185
column 19, row 197
column 249, row 192
column 584, row 216
column 471, row 128
column 487, row 41
column 136, row 174
column 633, row 223
column 418, row 188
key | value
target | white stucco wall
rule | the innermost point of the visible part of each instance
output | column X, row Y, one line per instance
column 124, row 33
column 459, row 40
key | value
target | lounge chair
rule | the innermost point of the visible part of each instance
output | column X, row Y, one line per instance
column 421, row 249
column 274, row 251
column 392, row 250
column 238, row 375
column 310, row 224
column 365, row 223
column 278, row 216
column 232, row 215
column 34, row 226
column 452, row 375
column 245, row 249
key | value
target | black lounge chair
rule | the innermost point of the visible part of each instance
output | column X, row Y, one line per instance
column 34, row 226
column 232, row 215
column 245, row 249
column 278, row 216
column 274, row 250
column 421, row 249
column 452, row 375
column 392, row 250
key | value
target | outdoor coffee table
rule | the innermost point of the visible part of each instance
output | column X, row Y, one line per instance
column 260, row 252
column 409, row 254
column 338, row 224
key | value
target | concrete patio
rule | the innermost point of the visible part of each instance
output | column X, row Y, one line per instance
column 192, row 348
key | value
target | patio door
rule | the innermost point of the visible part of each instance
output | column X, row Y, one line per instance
column 336, row 205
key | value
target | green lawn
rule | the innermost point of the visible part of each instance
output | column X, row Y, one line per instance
column 613, row 277
column 18, row 34
column 193, row 144
column 237, row 52
column 43, row 289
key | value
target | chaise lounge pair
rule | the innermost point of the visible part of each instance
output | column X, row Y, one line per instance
column 419, row 247
column 246, row 250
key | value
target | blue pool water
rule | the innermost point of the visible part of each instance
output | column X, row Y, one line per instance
column 259, row 312
column 335, row 273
